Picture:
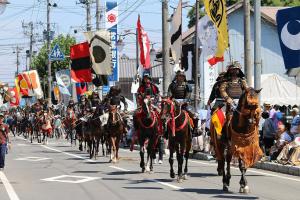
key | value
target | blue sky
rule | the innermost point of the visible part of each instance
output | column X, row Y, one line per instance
column 67, row 17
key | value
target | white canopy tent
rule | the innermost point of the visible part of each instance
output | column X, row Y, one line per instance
column 278, row 90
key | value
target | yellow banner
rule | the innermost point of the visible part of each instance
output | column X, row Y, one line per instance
column 216, row 11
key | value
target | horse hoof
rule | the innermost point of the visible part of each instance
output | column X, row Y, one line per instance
column 151, row 172
column 143, row 170
column 147, row 169
column 185, row 177
column 246, row 189
column 172, row 175
column 179, row 179
column 243, row 190
column 225, row 188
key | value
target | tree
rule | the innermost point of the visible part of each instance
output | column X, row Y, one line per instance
column 40, row 62
column 191, row 14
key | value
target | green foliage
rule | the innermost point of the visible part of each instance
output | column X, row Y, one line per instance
column 41, row 60
column 192, row 18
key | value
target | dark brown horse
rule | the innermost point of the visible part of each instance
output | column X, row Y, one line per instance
column 179, row 133
column 94, row 132
column 115, row 130
column 146, row 124
column 241, row 139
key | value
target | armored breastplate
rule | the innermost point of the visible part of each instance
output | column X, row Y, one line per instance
column 234, row 89
column 179, row 92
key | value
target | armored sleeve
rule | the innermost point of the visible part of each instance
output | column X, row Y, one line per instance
column 223, row 92
column 244, row 84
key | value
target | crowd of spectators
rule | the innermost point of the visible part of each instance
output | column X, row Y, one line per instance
column 279, row 129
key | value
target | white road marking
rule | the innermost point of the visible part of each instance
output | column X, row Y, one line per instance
column 152, row 180
column 77, row 179
column 119, row 168
column 33, row 159
column 168, row 185
column 251, row 170
column 69, row 154
column 9, row 189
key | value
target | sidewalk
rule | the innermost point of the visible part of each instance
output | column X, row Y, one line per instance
column 270, row 166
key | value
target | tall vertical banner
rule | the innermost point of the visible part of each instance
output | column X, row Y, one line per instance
column 112, row 26
column 216, row 11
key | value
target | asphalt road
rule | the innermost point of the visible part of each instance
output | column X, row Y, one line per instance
column 58, row 171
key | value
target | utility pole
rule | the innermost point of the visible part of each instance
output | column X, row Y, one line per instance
column 257, row 45
column 31, row 44
column 28, row 31
column 196, row 67
column 48, row 52
column 88, row 15
column 247, row 42
column 166, row 48
column 97, row 14
column 17, row 52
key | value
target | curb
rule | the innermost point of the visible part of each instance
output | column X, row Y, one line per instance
column 269, row 166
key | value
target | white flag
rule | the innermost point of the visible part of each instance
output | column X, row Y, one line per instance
column 100, row 51
column 176, row 33
column 208, row 37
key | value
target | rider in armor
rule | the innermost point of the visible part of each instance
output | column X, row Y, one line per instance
column 215, row 93
column 181, row 91
column 114, row 98
column 84, row 106
column 95, row 99
column 232, row 88
column 147, row 88
column 179, row 88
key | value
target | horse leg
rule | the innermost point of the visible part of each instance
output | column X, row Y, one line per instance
column 171, row 161
column 244, row 188
column 226, row 180
column 142, row 152
column 186, row 156
column 179, row 156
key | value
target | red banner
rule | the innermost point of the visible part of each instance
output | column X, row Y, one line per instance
column 144, row 43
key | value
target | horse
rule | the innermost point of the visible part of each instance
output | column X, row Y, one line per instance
column 179, row 134
column 146, row 122
column 241, row 139
column 46, row 127
column 94, row 132
column 115, row 129
column 70, row 125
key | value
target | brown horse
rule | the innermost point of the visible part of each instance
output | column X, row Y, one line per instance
column 240, row 139
column 115, row 129
column 146, row 123
column 70, row 124
column 179, row 133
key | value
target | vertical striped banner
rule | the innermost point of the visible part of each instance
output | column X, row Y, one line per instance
column 112, row 26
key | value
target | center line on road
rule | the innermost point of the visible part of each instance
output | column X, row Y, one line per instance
column 9, row 189
column 250, row 170
column 69, row 154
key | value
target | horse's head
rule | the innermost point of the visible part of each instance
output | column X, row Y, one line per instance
column 146, row 107
column 252, row 98
column 249, row 105
column 167, row 109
